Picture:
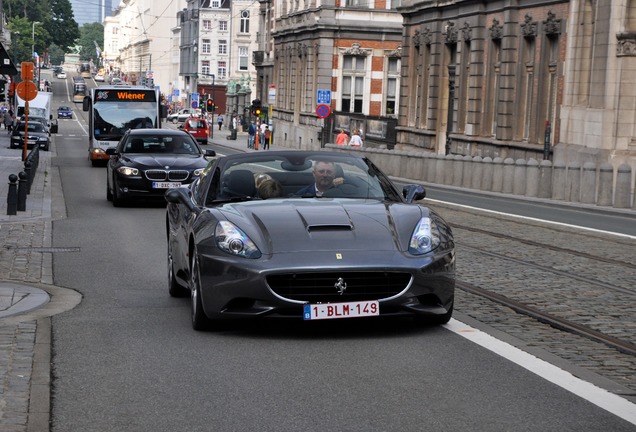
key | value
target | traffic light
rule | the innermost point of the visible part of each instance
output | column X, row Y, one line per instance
column 209, row 105
column 256, row 107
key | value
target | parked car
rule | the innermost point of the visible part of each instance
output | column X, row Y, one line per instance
column 147, row 162
column 36, row 133
column 360, row 249
column 198, row 128
column 61, row 75
column 182, row 115
column 99, row 77
column 64, row 112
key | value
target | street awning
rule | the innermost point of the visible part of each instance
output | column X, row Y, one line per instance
column 6, row 64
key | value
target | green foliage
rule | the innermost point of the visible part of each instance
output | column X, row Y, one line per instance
column 91, row 33
column 56, row 26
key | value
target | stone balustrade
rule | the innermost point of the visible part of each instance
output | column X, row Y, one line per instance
column 601, row 185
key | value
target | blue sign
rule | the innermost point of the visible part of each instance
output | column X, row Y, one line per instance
column 175, row 92
column 195, row 104
column 324, row 97
column 195, row 97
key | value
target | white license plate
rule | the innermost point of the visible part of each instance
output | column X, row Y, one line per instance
column 165, row 185
column 341, row 310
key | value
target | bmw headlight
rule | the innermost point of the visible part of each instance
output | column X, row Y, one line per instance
column 425, row 237
column 197, row 172
column 229, row 238
column 128, row 171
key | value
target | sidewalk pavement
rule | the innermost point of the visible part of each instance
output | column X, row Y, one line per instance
column 26, row 293
column 28, row 297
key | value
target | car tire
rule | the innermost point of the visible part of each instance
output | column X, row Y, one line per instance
column 175, row 120
column 109, row 194
column 174, row 288
column 117, row 200
column 200, row 320
column 436, row 320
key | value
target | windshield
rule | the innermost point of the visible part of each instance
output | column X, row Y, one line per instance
column 184, row 145
column 113, row 118
column 313, row 177
column 32, row 127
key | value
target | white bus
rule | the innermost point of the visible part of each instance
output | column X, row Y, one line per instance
column 112, row 110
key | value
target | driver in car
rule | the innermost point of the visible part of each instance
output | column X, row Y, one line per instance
column 324, row 173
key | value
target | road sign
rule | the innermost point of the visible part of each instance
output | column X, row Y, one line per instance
column 323, row 110
column 27, row 90
column 27, row 71
column 271, row 94
column 324, row 97
column 195, row 104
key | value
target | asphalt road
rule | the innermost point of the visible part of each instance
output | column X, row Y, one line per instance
column 127, row 359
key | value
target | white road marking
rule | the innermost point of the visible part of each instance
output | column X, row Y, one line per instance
column 600, row 397
column 535, row 219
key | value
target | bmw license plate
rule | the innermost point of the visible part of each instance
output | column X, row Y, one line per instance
column 341, row 310
column 165, row 185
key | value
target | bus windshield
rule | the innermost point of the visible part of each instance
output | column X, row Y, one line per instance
column 113, row 118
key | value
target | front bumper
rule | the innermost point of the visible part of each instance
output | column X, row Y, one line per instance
column 97, row 154
column 404, row 286
column 139, row 187
column 19, row 143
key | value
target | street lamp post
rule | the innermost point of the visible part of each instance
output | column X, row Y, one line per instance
column 33, row 39
column 14, row 48
column 33, row 47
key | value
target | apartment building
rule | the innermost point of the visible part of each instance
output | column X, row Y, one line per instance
column 340, row 53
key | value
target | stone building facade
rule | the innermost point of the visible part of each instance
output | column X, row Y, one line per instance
column 521, row 79
column 486, row 77
column 343, row 47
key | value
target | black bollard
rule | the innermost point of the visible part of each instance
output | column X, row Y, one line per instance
column 12, row 196
column 22, row 191
column 29, row 174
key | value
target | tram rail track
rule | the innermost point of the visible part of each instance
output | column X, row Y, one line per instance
column 546, row 318
column 544, row 245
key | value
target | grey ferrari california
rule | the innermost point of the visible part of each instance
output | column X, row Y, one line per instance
column 309, row 235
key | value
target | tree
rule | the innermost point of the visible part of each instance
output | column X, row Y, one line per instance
column 90, row 33
column 61, row 24
column 57, row 26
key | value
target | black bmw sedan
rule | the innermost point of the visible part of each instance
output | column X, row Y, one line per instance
column 147, row 162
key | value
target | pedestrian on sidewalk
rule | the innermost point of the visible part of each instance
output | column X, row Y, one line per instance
column 267, row 136
column 251, row 134
column 220, row 121
column 342, row 138
column 356, row 140
column 8, row 120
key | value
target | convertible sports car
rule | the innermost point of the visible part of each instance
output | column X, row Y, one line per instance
column 147, row 162
column 308, row 235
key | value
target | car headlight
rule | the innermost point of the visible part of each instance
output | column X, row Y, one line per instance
column 128, row 171
column 197, row 172
column 425, row 237
column 229, row 238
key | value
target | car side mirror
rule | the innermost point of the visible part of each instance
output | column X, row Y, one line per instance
column 413, row 192
column 111, row 151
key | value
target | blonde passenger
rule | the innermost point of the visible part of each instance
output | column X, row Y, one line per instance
column 270, row 188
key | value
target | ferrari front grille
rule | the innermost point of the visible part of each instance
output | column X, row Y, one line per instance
column 328, row 287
